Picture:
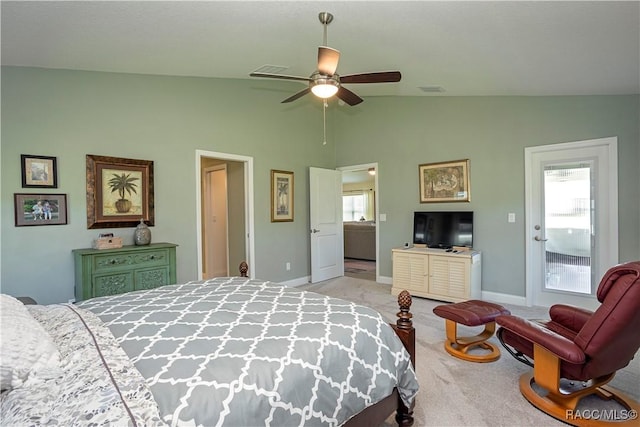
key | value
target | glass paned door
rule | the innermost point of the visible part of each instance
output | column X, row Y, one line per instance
column 568, row 228
column 571, row 224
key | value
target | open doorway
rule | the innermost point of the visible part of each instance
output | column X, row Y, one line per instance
column 360, row 207
column 224, row 194
column 215, row 217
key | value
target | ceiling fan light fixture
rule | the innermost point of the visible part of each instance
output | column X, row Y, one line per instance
column 324, row 88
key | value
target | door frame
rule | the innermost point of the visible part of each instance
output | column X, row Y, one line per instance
column 376, row 203
column 611, row 241
column 248, row 205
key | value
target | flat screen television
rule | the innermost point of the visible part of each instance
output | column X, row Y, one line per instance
column 443, row 229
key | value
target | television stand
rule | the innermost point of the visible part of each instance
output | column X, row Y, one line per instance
column 438, row 274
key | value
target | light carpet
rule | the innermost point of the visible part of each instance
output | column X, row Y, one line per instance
column 454, row 392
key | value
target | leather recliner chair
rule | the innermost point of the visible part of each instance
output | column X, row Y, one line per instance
column 580, row 346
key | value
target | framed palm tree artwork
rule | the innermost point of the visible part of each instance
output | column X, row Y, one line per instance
column 119, row 192
column 281, row 196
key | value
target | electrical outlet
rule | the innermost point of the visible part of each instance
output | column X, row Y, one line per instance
column 288, row 266
column 511, row 217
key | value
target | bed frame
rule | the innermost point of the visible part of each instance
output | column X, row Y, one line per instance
column 376, row 414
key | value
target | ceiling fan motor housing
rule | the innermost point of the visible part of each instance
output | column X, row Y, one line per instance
column 324, row 86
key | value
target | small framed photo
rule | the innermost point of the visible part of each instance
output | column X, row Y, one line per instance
column 39, row 171
column 444, row 182
column 119, row 192
column 281, row 196
column 40, row 209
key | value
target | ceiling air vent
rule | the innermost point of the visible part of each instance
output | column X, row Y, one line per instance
column 431, row 89
column 271, row 69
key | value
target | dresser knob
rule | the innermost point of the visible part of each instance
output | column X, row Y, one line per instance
column 113, row 261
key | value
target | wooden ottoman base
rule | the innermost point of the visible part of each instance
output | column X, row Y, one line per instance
column 471, row 313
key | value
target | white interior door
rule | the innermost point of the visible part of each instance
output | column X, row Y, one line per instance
column 216, row 223
column 325, row 219
column 572, row 221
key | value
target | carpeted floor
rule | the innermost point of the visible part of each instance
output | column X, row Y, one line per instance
column 454, row 392
column 360, row 269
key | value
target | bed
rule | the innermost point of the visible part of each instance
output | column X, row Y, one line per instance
column 228, row 351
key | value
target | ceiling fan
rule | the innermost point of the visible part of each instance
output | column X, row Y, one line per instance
column 325, row 82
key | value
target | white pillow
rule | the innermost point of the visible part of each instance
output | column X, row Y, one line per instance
column 25, row 347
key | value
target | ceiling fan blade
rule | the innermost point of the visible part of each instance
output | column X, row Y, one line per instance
column 300, row 94
column 328, row 60
column 349, row 97
column 280, row 76
column 381, row 77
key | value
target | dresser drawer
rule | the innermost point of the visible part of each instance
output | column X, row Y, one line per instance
column 111, row 262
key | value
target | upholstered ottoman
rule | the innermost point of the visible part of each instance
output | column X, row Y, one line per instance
column 471, row 313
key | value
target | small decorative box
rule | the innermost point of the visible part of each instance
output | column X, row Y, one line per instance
column 107, row 243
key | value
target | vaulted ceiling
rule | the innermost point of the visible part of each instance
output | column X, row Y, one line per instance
column 444, row 48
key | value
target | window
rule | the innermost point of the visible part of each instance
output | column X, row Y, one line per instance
column 353, row 207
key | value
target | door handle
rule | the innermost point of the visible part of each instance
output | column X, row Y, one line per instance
column 315, row 230
column 538, row 239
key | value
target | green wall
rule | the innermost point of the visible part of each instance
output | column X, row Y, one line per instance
column 401, row 133
column 68, row 114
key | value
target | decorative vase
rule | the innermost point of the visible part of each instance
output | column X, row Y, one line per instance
column 142, row 235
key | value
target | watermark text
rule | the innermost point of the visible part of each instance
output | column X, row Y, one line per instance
column 601, row 414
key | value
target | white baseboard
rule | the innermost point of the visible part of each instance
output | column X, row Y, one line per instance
column 307, row 279
column 385, row 279
column 503, row 298
column 297, row 282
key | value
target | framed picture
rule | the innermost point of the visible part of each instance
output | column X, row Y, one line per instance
column 281, row 196
column 444, row 182
column 119, row 192
column 40, row 209
column 38, row 171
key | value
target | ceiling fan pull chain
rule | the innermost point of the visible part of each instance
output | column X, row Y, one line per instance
column 324, row 121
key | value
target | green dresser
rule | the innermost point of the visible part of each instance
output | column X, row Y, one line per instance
column 129, row 268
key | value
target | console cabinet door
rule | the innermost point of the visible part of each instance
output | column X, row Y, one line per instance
column 449, row 276
column 112, row 284
column 410, row 271
column 151, row 278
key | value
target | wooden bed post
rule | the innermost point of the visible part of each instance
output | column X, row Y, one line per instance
column 407, row 334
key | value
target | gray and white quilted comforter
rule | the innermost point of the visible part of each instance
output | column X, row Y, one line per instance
column 94, row 385
column 241, row 352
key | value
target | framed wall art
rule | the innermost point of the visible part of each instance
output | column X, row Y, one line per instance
column 40, row 209
column 444, row 182
column 119, row 192
column 281, row 196
column 39, row 171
